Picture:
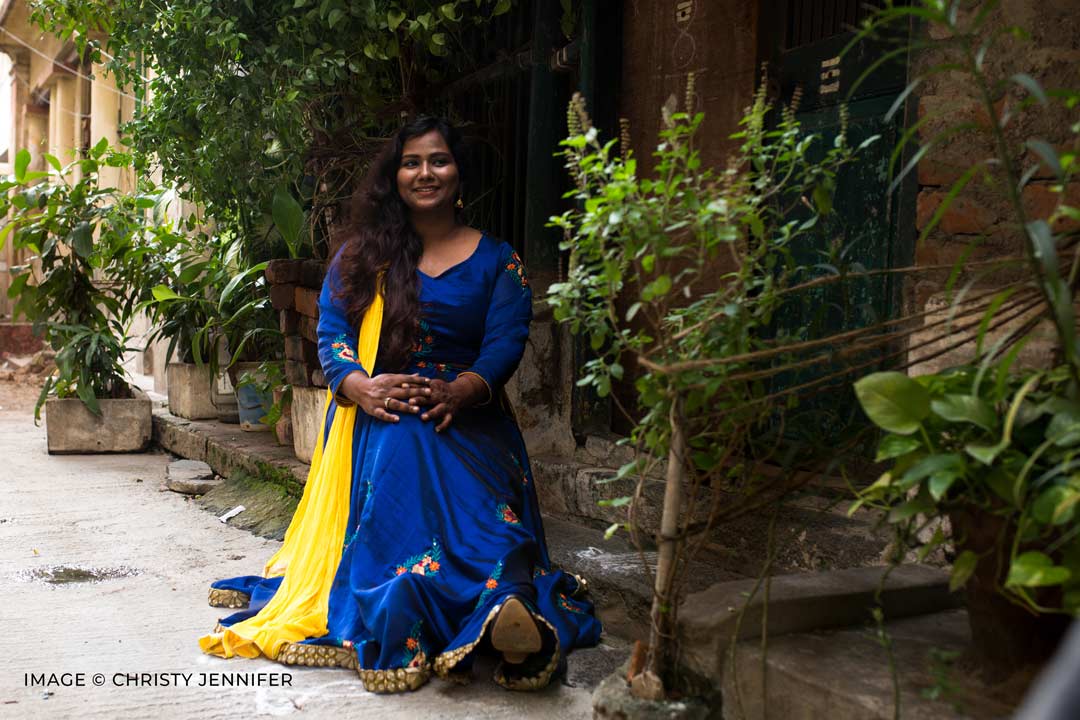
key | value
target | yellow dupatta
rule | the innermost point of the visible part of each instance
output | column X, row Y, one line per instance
column 309, row 557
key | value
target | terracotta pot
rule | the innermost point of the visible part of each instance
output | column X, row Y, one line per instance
column 1005, row 636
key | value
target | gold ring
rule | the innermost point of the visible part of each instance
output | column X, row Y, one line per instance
column 386, row 403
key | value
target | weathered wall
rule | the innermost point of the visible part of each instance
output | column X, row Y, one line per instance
column 982, row 214
column 982, row 210
column 663, row 40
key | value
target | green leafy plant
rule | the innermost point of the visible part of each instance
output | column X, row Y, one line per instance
column 645, row 253
column 244, row 105
column 89, row 249
column 982, row 454
column 216, row 300
column 1006, row 443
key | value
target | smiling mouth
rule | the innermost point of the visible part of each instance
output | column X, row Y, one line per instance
column 427, row 189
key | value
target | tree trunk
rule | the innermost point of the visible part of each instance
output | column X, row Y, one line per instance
column 662, row 632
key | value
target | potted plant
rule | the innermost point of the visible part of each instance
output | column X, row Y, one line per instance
column 88, row 246
column 262, row 396
column 995, row 455
column 217, row 313
column 180, row 308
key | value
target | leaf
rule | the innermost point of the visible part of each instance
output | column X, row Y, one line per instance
column 163, row 293
column 86, row 394
column 1044, row 246
column 962, row 570
column 965, row 408
column 1032, row 86
column 448, row 11
column 918, row 505
column 893, row 401
column 394, row 18
column 940, row 483
column 10, row 225
column 1035, row 569
column 657, row 288
column 931, row 465
column 1049, row 156
column 335, row 17
column 1064, row 427
column 822, row 195
column 611, row 530
column 22, row 161
column 501, row 7
column 984, row 453
column 899, row 102
column 82, row 240
column 235, row 283
column 892, row 446
column 53, row 161
column 1056, row 505
column 288, row 218
column 1003, row 484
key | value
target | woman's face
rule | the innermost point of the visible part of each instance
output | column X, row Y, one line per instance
column 427, row 178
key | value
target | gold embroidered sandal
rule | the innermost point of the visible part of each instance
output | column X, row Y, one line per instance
column 514, row 633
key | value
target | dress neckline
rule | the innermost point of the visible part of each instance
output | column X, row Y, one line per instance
column 455, row 266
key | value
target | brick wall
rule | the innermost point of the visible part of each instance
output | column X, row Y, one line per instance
column 294, row 293
column 982, row 212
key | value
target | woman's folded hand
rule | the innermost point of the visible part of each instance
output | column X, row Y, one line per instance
column 383, row 395
column 447, row 398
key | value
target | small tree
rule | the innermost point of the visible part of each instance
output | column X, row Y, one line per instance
column 701, row 348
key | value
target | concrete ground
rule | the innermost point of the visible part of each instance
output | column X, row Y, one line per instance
column 102, row 573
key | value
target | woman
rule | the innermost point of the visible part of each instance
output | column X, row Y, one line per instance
column 418, row 541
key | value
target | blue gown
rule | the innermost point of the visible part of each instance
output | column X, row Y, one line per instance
column 442, row 526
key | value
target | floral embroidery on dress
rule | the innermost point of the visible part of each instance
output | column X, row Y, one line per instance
column 440, row 367
column 343, row 350
column 491, row 584
column 524, row 474
column 424, row 339
column 506, row 514
column 567, row 604
column 415, row 655
column 539, row 572
column 516, row 268
column 352, row 536
column 425, row 563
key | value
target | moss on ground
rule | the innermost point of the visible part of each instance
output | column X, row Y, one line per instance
column 269, row 501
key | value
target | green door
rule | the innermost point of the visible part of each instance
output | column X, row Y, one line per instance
column 869, row 228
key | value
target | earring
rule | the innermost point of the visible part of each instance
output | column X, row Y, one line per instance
column 459, row 204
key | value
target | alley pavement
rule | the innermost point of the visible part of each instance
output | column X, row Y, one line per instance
column 103, row 579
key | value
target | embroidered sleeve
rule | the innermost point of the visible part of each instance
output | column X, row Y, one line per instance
column 516, row 269
column 337, row 338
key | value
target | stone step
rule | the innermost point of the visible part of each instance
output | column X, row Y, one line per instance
column 845, row 674
column 813, row 530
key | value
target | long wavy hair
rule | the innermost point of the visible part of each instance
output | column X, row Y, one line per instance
column 383, row 239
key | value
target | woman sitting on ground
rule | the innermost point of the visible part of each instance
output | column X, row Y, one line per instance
column 418, row 542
